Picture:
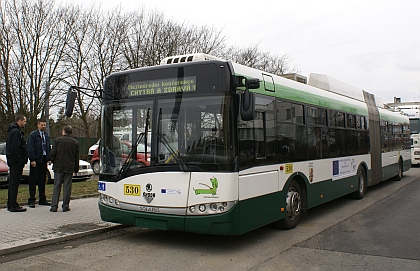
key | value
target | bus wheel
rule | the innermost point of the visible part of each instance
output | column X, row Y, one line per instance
column 361, row 190
column 400, row 171
column 293, row 207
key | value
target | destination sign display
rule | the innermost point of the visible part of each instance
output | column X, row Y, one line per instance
column 162, row 86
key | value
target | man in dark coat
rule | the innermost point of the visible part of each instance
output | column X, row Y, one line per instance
column 65, row 158
column 17, row 157
column 39, row 157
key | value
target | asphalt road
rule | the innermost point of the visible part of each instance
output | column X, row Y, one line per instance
column 379, row 232
column 384, row 236
column 385, row 229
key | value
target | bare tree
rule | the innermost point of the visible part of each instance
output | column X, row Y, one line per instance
column 106, row 58
column 147, row 38
column 253, row 57
column 36, row 55
column 74, row 46
column 111, row 35
column 132, row 47
column 78, row 60
column 32, row 39
column 152, row 37
column 7, row 99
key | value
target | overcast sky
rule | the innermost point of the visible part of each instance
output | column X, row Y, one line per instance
column 370, row 44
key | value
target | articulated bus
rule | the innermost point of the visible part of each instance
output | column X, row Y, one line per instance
column 232, row 148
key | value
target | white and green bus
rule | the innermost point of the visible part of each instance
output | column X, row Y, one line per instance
column 411, row 110
column 415, row 149
column 230, row 148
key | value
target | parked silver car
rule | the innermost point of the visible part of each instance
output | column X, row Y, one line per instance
column 85, row 169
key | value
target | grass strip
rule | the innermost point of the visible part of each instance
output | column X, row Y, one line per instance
column 79, row 190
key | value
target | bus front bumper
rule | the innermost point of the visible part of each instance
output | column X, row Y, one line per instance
column 221, row 224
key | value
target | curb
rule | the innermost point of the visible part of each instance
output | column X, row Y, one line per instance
column 69, row 237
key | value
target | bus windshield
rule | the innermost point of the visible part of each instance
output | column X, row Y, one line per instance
column 189, row 132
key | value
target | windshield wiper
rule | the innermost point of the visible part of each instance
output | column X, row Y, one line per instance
column 128, row 161
column 174, row 154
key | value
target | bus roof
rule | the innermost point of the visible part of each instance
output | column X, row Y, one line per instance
column 321, row 82
column 328, row 83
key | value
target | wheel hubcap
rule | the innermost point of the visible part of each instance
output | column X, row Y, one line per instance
column 293, row 203
column 361, row 183
column 96, row 168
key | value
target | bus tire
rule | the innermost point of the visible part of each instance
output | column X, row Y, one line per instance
column 400, row 171
column 293, row 207
column 362, row 186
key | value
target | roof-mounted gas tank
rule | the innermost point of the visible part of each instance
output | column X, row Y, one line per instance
column 188, row 58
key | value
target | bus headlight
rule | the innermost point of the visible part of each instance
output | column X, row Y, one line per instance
column 110, row 201
column 211, row 208
column 202, row 208
column 103, row 198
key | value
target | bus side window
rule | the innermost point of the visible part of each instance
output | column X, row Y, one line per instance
column 260, row 135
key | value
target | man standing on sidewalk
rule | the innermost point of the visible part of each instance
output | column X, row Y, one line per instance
column 39, row 156
column 65, row 158
column 17, row 157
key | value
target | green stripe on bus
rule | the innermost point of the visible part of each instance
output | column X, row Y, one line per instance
column 300, row 96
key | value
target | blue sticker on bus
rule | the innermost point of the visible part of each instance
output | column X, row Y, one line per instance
column 101, row 186
column 336, row 168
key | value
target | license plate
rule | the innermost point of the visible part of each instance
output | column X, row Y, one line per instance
column 131, row 189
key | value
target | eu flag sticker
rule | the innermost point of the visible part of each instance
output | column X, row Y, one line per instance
column 336, row 169
column 169, row 191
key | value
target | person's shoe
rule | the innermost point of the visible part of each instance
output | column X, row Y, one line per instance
column 31, row 204
column 45, row 203
column 17, row 209
column 53, row 209
column 66, row 209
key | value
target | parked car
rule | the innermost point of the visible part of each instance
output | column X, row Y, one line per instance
column 125, row 148
column 4, row 174
column 121, row 135
column 95, row 161
column 128, row 136
column 92, row 149
column 85, row 169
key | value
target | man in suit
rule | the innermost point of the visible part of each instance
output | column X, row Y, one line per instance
column 17, row 157
column 39, row 157
column 65, row 158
